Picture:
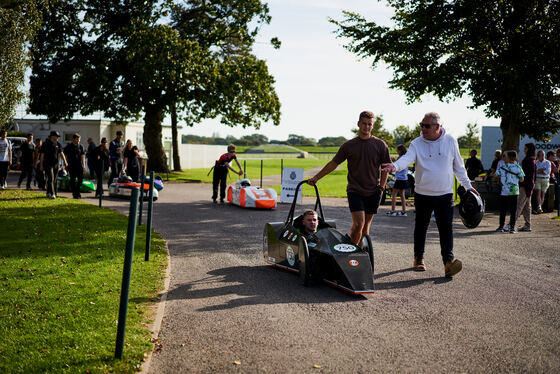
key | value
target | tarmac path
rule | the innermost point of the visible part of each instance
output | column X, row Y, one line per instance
column 227, row 312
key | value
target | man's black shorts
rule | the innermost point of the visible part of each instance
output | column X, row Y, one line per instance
column 367, row 204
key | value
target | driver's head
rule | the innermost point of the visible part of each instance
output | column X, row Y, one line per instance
column 310, row 221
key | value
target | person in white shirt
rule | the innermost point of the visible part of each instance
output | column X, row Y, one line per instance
column 542, row 180
column 5, row 158
column 437, row 157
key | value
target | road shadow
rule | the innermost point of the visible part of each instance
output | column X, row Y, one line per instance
column 256, row 285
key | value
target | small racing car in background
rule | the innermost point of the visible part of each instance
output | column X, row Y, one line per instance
column 123, row 185
column 247, row 196
column 328, row 255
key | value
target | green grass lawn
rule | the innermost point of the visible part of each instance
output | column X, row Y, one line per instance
column 253, row 169
column 60, row 281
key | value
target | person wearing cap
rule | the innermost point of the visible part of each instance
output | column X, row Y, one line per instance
column 75, row 155
column 25, row 161
column 100, row 157
column 220, row 173
column 116, row 149
column 51, row 153
column 5, row 158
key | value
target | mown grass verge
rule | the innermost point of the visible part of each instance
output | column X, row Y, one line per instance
column 253, row 170
column 60, row 281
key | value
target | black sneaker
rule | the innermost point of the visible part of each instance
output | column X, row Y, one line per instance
column 221, row 201
column 214, row 201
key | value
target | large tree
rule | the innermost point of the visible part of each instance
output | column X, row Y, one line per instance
column 124, row 58
column 19, row 21
column 504, row 54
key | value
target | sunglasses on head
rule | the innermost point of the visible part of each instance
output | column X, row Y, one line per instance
column 427, row 125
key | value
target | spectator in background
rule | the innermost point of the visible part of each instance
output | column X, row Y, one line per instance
column 51, row 153
column 510, row 175
column 5, row 158
column 553, row 167
column 89, row 157
column 25, row 161
column 497, row 158
column 542, row 180
column 131, row 161
column 473, row 165
column 558, row 158
column 39, row 174
column 526, row 187
column 400, row 186
column 116, row 148
column 75, row 155
column 101, row 165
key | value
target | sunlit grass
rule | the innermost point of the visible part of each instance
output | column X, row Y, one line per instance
column 60, row 281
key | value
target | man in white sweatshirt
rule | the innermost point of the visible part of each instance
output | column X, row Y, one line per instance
column 437, row 157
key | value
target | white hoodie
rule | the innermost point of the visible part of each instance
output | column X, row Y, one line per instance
column 436, row 161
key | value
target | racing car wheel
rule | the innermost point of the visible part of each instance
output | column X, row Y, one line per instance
column 304, row 263
column 368, row 246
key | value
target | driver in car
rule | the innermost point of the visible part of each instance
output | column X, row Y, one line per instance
column 310, row 223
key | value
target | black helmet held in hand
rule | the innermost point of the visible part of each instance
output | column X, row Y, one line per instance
column 471, row 208
column 62, row 173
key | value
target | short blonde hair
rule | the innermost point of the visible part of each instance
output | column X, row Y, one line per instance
column 231, row 148
column 309, row 212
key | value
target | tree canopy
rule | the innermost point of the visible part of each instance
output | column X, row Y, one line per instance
column 128, row 59
column 19, row 21
column 504, row 54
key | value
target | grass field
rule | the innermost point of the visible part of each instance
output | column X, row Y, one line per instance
column 253, row 170
column 60, row 281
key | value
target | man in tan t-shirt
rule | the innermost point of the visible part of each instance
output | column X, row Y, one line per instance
column 366, row 182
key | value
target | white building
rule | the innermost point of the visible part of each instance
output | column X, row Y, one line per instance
column 95, row 129
column 192, row 155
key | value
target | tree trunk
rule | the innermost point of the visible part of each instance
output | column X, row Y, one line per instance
column 152, row 139
column 175, row 139
column 510, row 130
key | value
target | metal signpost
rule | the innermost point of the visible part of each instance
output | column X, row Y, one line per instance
column 127, row 268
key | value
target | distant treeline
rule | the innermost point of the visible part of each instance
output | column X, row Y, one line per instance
column 400, row 135
column 259, row 139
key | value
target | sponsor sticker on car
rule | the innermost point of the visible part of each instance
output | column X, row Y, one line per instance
column 353, row 263
column 346, row 248
column 290, row 256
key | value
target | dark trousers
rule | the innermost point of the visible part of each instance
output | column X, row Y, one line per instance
column 442, row 206
column 76, row 173
column 3, row 172
column 40, row 178
column 508, row 203
column 220, row 178
column 134, row 173
column 99, row 177
column 51, row 172
column 116, row 167
column 26, row 171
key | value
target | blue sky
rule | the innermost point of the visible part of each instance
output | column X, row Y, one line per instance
column 323, row 87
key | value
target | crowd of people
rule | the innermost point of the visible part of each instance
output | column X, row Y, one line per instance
column 40, row 161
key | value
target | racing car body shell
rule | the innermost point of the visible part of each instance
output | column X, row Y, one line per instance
column 124, row 189
column 247, row 196
column 330, row 256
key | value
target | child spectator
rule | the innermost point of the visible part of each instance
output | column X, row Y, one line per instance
column 510, row 176
column 401, row 184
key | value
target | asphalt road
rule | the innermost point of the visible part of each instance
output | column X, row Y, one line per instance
column 228, row 312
